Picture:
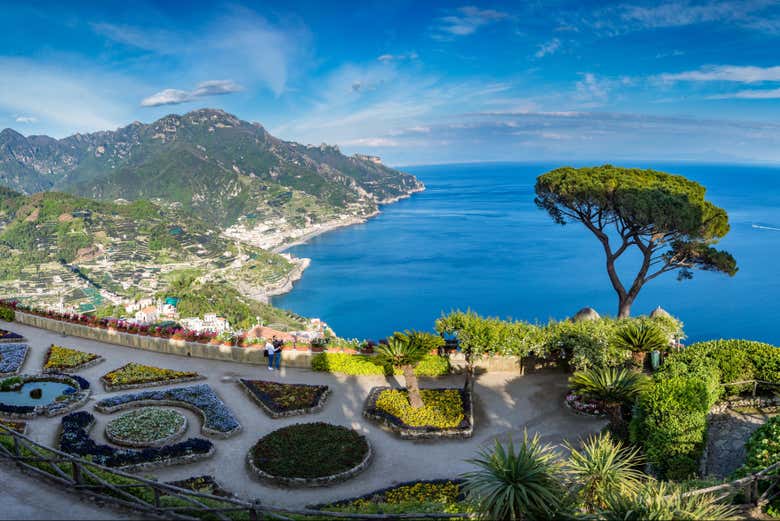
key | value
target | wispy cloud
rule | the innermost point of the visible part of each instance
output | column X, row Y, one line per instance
column 730, row 73
column 749, row 94
column 466, row 20
column 202, row 90
column 26, row 119
column 397, row 57
column 547, row 48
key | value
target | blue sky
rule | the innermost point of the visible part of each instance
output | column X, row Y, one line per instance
column 414, row 82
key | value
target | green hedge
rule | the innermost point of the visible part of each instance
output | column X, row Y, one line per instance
column 670, row 416
column 431, row 365
column 763, row 448
column 7, row 314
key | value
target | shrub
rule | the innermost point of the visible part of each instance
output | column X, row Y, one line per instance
column 434, row 496
column 659, row 500
column 763, row 448
column 431, row 365
column 309, row 450
column 670, row 420
column 7, row 314
column 443, row 407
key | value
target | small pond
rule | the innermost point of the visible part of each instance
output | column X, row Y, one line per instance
column 50, row 391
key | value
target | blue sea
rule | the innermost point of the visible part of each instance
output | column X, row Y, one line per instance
column 475, row 239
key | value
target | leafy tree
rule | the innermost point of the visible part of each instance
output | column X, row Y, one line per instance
column 602, row 467
column 516, row 482
column 405, row 351
column 665, row 217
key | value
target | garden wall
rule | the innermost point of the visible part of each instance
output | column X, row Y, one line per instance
column 244, row 355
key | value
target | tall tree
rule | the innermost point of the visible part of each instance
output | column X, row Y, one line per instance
column 406, row 350
column 663, row 216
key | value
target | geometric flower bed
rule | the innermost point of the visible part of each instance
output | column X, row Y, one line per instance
column 582, row 405
column 309, row 455
column 14, row 425
column 74, row 393
column 438, row 495
column 280, row 399
column 12, row 357
column 132, row 376
column 218, row 419
column 146, row 427
column 447, row 413
column 10, row 336
column 75, row 439
column 64, row 359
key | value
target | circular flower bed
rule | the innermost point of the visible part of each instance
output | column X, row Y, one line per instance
column 584, row 405
column 309, row 455
column 147, row 427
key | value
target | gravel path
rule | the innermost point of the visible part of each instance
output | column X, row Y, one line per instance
column 505, row 404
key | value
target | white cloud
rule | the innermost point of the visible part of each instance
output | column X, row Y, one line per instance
column 466, row 20
column 26, row 119
column 398, row 57
column 548, row 48
column 372, row 142
column 731, row 73
column 202, row 90
column 750, row 94
column 593, row 90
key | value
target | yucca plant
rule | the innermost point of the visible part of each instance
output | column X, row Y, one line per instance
column 406, row 350
column 640, row 338
column 659, row 501
column 603, row 467
column 516, row 482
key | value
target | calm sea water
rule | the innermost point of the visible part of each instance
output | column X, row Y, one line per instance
column 475, row 239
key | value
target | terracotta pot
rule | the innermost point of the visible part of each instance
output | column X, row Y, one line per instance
column 302, row 348
column 317, row 349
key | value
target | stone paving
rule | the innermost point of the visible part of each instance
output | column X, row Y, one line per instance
column 727, row 433
column 506, row 403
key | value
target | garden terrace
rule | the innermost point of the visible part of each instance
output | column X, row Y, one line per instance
column 28, row 396
column 447, row 412
column 12, row 357
column 75, row 439
column 133, row 376
column 280, row 400
column 63, row 359
column 310, row 455
column 218, row 419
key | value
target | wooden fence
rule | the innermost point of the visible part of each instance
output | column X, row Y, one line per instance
column 151, row 497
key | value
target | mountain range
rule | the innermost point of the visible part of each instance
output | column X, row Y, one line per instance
column 207, row 162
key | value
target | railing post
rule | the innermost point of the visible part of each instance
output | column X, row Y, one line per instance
column 255, row 514
column 76, row 470
column 17, row 451
column 156, row 497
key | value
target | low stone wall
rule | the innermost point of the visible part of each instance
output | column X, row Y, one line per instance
column 244, row 355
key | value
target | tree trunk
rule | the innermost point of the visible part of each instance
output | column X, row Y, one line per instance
column 624, row 307
column 415, row 399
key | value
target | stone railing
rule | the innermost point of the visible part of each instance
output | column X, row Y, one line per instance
column 245, row 355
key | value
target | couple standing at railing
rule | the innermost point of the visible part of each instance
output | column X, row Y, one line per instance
column 273, row 351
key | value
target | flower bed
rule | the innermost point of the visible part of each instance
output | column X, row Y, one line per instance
column 75, row 439
column 218, row 419
column 431, row 365
column 204, row 484
column 14, row 425
column 146, row 427
column 581, row 405
column 447, row 413
column 59, row 359
column 427, row 496
column 133, row 376
column 12, row 357
column 309, row 455
column 10, row 336
column 281, row 399
column 68, row 401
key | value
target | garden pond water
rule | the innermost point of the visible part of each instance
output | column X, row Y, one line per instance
column 50, row 391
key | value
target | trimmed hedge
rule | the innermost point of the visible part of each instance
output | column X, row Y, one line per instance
column 431, row 365
column 7, row 314
column 670, row 416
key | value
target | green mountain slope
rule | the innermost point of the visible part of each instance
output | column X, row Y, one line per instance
column 211, row 163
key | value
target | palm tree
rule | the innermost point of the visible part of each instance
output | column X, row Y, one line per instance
column 516, row 483
column 406, row 350
column 603, row 467
column 640, row 338
column 657, row 501
column 612, row 386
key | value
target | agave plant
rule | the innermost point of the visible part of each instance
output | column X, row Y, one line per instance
column 603, row 467
column 404, row 351
column 640, row 338
column 515, row 483
column 659, row 501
